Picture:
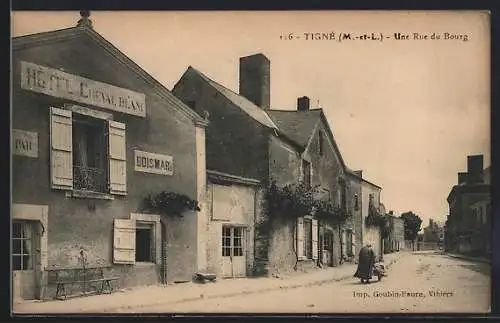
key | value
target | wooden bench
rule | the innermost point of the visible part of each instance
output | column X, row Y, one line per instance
column 64, row 278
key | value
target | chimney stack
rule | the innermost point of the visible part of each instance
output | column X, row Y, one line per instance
column 84, row 20
column 462, row 178
column 303, row 103
column 255, row 79
column 475, row 168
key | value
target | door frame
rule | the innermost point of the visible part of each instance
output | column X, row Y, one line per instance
column 36, row 213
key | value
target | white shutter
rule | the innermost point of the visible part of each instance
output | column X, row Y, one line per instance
column 124, row 241
column 299, row 238
column 353, row 243
column 61, row 146
column 344, row 245
column 117, row 158
column 314, row 237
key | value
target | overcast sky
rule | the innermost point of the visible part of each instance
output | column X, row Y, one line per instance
column 406, row 112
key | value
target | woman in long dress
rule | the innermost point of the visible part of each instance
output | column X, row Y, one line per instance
column 365, row 264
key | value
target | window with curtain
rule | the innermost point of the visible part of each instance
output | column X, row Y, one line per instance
column 89, row 158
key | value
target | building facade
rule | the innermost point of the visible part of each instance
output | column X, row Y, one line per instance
column 468, row 226
column 395, row 241
column 247, row 138
column 229, row 230
column 93, row 135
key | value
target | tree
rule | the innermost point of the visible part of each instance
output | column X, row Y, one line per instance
column 412, row 223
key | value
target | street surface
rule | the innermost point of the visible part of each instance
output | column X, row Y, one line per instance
column 424, row 283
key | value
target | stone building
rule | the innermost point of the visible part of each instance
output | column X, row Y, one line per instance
column 371, row 233
column 468, row 226
column 247, row 138
column 395, row 241
column 93, row 135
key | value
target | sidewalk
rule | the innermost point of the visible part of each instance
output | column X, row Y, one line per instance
column 476, row 259
column 169, row 294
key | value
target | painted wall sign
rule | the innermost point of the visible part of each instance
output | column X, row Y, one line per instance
column 59, row 84
column 24, row 143
column 153, row 163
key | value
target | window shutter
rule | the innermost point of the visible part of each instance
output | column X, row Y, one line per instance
column 344, row 240
column 61, row 145
column 124, row 241
column 314, row 237
column 353, row 243
column 117, row 153
column 299, row 238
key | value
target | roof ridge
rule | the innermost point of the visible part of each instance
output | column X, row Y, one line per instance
column 270, row 122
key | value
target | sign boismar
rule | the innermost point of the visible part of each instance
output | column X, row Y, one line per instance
column 60, row 84
column 153, row 163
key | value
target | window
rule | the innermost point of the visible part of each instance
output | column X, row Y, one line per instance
column 87, row 153
column 356, row 202
column 232, row 241
column 306, row 173
column 328, row 241
column 22, row 245
column 321, row 142
column 144, row 242
column 306, row 238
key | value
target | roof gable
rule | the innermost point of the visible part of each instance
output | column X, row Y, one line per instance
column 243, row 103
column 298, row 125
column 33, row 40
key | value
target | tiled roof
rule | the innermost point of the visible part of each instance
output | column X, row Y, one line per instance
column 244, row 104
column 297, row 125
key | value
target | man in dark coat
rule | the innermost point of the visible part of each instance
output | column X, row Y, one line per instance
column 365, row 264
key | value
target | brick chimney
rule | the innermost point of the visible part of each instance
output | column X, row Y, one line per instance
column 255, row 79
column 303, row 103
column 462, row 177
column 475, row 169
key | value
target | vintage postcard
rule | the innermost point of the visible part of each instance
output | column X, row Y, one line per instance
column 251, row 162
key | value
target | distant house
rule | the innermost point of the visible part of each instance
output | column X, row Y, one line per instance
column 247, row 138
column 468, row 227
column 395, row 241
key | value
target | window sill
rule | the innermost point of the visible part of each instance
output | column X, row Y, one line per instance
column 145, row 263
column 89, row 195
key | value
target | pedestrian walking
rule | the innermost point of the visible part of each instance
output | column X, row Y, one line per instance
column 365, row 264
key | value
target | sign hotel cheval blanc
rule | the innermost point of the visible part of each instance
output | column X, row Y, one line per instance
column 59, row 84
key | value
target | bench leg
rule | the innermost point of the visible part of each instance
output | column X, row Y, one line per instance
column 61, row 289
column 106, row 286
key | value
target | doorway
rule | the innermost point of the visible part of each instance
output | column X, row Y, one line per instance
column 327, row 248
column 233, row 251
column 25, row 242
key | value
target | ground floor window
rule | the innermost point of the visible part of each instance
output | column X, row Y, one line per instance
column 232, row 241
column 144, row 242
column 22, row 245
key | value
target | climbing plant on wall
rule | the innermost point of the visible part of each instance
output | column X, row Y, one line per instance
column 169, row 204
